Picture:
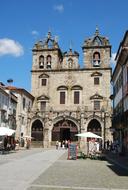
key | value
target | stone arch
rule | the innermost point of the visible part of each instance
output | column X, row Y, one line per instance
column 77, row 87
column 67, row 118
column 64, row 129
column 96, row 58
column 94, row 126
column 91, row 117
column 37, row 130
column 41, row 62
column 49, row 61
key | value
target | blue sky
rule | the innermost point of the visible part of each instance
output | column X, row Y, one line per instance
column 22, row 22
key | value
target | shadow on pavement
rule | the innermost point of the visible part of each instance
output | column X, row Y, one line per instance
column 117, row 169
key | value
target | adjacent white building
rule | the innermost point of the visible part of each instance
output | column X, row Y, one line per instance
column 8, row 105
column 24, row 105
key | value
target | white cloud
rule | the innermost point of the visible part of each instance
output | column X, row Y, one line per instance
column 113, row 62
column 10, row 47
column 35, row 33
column 59, row 8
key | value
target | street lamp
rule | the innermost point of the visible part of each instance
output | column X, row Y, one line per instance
column 103, row 117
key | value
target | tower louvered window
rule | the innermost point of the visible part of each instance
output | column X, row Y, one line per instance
column 49, row 60
column 41, row 62
column 96, row 59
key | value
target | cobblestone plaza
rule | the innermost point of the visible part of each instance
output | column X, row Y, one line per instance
column 49, row 169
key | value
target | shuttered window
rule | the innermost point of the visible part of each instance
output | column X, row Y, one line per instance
column 44, row 82
column 96, row 105
column 96, row 80
column 76, row 97
column 43, row 106
column 62, row 97
column 24, row 102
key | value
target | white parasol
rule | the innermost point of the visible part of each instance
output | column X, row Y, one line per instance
column 27, row 136
column 6, row 131
column 89, row 135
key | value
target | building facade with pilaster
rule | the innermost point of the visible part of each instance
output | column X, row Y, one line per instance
column 70, row 99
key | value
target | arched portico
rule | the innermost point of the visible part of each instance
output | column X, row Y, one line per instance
column 64, row 129
column 37, row 130
column 94, row 126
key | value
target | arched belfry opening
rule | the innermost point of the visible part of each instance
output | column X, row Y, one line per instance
column 94, row 126
column 64, row 130
column 37, row 130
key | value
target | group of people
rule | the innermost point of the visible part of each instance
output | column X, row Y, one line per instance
column 62, row 144
column 25, row 142
column 93, row 147
column 113, row 146
column 8, row 143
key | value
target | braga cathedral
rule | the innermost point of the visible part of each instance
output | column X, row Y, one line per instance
column 70, row 99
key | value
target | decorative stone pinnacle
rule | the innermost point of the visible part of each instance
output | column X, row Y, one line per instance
column 49, row 35
column 97, row 31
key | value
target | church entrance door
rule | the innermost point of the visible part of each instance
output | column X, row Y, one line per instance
column 64, row 130
column 64, row 134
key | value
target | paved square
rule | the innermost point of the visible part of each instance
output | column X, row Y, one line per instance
column 82, row 174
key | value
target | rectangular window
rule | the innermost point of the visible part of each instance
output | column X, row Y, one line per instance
column 14, row 112
column 96, row 105
column 44, row 81
column 96, row 81
column 29, row 105
column 3, row 116
column 76, row 97
column 24, row 102
column 22, row 120
column 62, row 97
column 43, row 106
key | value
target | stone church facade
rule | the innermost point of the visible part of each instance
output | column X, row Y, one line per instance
column 70, row 99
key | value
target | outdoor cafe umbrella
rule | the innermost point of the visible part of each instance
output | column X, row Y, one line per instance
column 27, row 136
column 89, row 135
column 6, row 131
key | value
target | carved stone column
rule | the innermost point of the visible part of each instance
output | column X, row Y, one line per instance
column 46, row 138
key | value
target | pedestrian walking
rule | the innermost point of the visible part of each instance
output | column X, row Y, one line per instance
column 57, row 144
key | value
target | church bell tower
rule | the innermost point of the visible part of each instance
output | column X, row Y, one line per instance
column 96, row 51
